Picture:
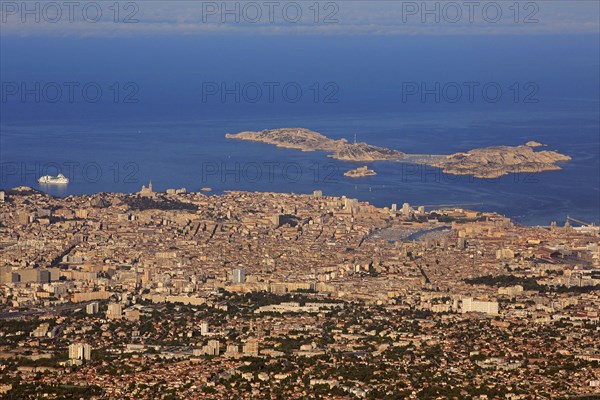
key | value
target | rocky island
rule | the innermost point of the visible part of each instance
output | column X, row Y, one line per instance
column 307, row 140
column 487, row 162
column 533, row 143
column 360, row 172
column 493, row 162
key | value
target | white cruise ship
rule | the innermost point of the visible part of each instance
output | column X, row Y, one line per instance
column 60, row 178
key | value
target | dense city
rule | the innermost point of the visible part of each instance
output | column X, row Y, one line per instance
column 177, row 294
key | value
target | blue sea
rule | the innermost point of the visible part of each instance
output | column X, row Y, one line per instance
column 114, row 114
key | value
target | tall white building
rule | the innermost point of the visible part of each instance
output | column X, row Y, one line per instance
column 251, row 348
column 92, row 308
column 486, row 307
column 505, row 254
column 406, row 210
column 213, row 348
column 232, row 350
column 239, row 275
column 204, row 328
column 80, row 351
column 115, row 311
column 41, row 330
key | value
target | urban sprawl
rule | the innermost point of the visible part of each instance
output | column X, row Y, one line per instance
column 188, row 295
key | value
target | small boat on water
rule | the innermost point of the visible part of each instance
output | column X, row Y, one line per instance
column 59, row 179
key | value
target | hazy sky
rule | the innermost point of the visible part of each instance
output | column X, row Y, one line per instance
column 346, row 17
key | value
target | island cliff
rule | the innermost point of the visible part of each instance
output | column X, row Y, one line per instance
column 307, row 140
column 493, row 162
column 487, row 162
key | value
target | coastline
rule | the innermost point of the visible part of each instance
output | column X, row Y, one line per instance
column 26, row 190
